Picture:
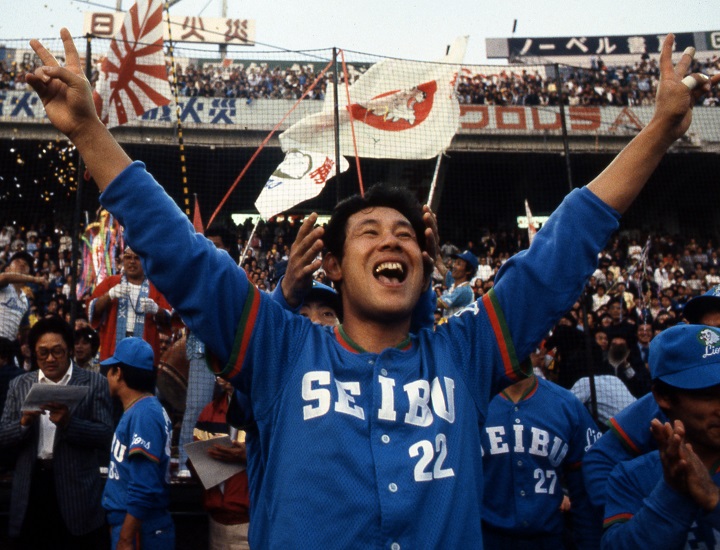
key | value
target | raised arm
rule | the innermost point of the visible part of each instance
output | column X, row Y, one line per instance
column 67, row 97
column 621, row 182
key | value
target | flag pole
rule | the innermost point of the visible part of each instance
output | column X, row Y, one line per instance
column 75, row 245
column 181, row 141
column 247, row 246
column 336, row 122
column 438, row 181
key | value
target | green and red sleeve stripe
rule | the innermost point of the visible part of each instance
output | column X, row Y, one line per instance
column 624, row 438
column 243, row 334
column 510, row 361
column 617, row 518
column 142, row 452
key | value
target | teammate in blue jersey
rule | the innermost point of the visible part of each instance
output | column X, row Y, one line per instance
column 534, row 439
column 629, row 435
column 137, row 492
column 670, row 498
column 367, row 437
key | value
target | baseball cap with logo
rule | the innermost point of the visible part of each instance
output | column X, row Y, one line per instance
column 133, row 352
column 700, row 305
column 686, row 356
column 471, row 260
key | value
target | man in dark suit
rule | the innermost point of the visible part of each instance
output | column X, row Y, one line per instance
column 57, row 487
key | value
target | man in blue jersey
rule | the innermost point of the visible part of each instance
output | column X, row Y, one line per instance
column 534, row 440
column 629, row 436
column 670, row 498
column 137, row 492
column 388, row 422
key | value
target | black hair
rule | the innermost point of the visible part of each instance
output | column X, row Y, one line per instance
column 379, row 195
column 228, row 238
column 53, row 325
column 86, row 333
column 25, row 257
column 137, row 379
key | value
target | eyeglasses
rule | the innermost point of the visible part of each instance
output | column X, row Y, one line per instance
column 58, row 352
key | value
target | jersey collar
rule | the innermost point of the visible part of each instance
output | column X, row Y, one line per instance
column 350, row 345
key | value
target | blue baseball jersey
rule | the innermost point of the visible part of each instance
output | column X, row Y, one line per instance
column 629, row 437
column 642, row 511
column 456, row 297
column 356, row 449
column 138, row 480
column 529, row 447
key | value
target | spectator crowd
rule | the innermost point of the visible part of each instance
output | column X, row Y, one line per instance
column 599, row 85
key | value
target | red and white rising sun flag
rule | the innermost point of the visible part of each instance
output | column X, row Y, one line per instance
column 400, row 109
column 133, row 78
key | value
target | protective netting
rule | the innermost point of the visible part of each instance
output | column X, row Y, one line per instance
column 506, row 141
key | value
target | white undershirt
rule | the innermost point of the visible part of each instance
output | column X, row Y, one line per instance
column 46, row 442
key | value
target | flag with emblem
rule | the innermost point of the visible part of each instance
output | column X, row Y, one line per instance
column 399, row 109
column 133, row 77
column 301, row 176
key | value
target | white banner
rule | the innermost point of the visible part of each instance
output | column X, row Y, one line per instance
column 399, row 109
column 205, row 30
column 301, row 176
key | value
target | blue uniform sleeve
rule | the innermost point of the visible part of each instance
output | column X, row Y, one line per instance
column 642, row 511
column 422, row 316
column 628, row 438
column 279, row 298
column 587, row 519
column 537, row 286
column 146, row 491
column 176, row 259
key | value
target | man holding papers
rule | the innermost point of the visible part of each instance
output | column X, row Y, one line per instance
column 57, row 487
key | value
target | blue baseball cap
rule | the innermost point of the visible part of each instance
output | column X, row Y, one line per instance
column 700, row 305
column 133, row 352
column 471, row 260
column 325, row 294
column 686, row 356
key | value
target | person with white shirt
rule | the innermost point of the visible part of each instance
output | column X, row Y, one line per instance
column 57, row 488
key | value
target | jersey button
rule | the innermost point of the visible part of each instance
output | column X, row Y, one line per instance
column 519, row 462
column 371, row 362
column 517, row 421
column 385, row 438
column 522, row 493
column 394, row 546
column 517, row 409
column 383, row 372
column 393, row 488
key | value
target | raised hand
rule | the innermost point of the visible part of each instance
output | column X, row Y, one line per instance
column 676, row 95
column 64, row 91
column 432, row 257
column 302, row 262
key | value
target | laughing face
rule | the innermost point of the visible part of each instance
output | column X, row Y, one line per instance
column 381, row 271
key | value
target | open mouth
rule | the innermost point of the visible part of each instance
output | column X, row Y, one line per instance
column 390, row 272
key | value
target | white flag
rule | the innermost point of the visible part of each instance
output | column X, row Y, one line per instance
column 400, row 109
column 532, row 230
column 133, row 77
column 301, row 176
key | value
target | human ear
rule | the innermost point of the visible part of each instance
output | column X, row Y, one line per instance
column 332, row 268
